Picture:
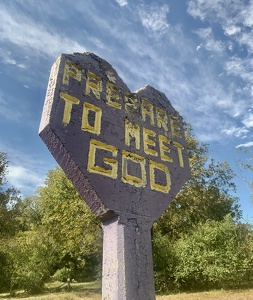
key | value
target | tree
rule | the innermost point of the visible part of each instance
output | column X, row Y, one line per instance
column 246, row 164
column 69, row 222
column 9, row 202
column 215, row 254
column 9, row 220
column 32, row 255
column 205, row 196
column 57, row 233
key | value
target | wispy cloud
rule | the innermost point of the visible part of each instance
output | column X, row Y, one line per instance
column 248, row 121
column 197, row 85
column 209, row 42
column 231, row 29
column 154, row 18
column 236, row 131
column 7, row 59
column 25, row 172
column 235, row 19
column 122, row 2
column 24, row 178
column 22, row 31
column 246, row 145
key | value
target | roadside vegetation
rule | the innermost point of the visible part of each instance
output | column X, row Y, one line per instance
column 199, row 244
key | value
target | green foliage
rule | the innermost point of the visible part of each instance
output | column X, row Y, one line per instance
column 68, row 221
column 52, row 230
column 246, row 164
column 205, row 196
column 32, row 255
column 197, row 243
column 9, row 221
column 165, row 262
column 216, row 254
column 62, row 274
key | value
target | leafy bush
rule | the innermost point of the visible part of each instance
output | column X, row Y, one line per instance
column 215, row 254
column 5, row 271
column 32, row 255
column 165, row 261
column 62, row 274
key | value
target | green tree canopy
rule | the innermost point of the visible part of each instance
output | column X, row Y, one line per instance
column 246, row 164
column 9, row 202
column 9, row 220
column 66, row 218
column 206, row 196
column 215, row 254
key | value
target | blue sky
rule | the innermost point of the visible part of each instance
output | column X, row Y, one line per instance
column 198, row 52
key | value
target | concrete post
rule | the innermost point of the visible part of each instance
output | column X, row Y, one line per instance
column 127, row 259
column 126, row 155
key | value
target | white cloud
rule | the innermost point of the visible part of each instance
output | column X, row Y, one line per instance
column 248, row 121
column 35, row 38
column 236, row 131
column 204, row 32
column 98, row 43
column 215, row 46
column 122, row 2
column 199, row 47
column 231, row 30
column 25, row 172
column 23, row 178
column 196, row 9
column 209, row 42
column 7, row 59
column 191, row 80
column 154, row 18
column 249, row 144
column 246, row 14
column 241, row 68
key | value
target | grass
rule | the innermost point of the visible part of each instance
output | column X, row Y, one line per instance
column 90, row 291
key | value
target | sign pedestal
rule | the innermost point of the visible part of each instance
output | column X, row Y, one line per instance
column 127, row 259
column 126, row 155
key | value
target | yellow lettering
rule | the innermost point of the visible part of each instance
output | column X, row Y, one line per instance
column 163, row 148
column 113, row 163
column 71, row 70
column 132, row 131
column 147, row 142
column 175, row 127
column 69, row 101
column 94, row 84
column 112, row 92
column 131, row 102
column 131, row 179
column 162, row 119
column 147, row 110
column 179, row 152
column 96, row 126
column 153, row 184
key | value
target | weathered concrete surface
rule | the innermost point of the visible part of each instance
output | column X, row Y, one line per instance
column 126, row 155
column 124, row 152
column 127, row 259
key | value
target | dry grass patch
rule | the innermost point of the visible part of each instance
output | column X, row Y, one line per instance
column 212, row 295
column 90, row 291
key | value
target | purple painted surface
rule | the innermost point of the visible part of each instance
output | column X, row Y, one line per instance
column 126, row 155
column 141, row 135
column 127, row 259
